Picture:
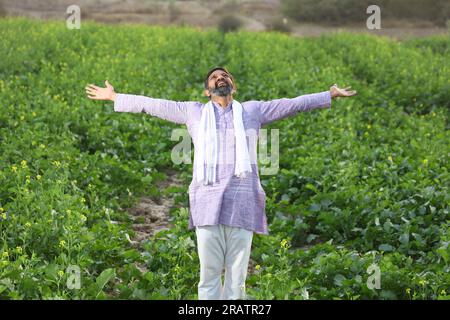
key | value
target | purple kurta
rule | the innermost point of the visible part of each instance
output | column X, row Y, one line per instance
column 230, row 201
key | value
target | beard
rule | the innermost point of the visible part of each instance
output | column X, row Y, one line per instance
column 221, row 91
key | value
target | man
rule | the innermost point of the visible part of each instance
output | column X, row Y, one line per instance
column 226, row 206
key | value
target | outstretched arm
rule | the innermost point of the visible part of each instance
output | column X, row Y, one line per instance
column 174, row 111
column 281, row 108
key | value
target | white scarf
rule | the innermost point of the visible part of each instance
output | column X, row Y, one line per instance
column 207, row 144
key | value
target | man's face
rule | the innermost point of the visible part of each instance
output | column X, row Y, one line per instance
column 220, row 84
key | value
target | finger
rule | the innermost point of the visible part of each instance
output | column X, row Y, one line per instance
column 107, row 83
column 90, row 91
column 92, row 97
column 93, row 87
column 346, row 88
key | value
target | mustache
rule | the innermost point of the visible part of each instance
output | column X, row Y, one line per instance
column 222, row 81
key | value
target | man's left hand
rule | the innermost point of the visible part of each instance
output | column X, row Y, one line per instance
column 344, row 92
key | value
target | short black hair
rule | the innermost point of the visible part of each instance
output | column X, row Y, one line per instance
column 214, row 69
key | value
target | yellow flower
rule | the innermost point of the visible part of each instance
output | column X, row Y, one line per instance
column 390, row 158
column 34, row 114
column 14, row 168
column 408, row 290
column 38, row 177
column 443, row 292
column 68, row 211
column 284, row 244
column 42, row 146
column 257, row 267
column 369, row 126
column 5, row 255
column 83, row 218
column 425, row 161
column 422, row 283
column 23, row 163
column 366, row 134
column 62, row 244
column 60, row 273
column 56, row 163
column 19, row 250
column 22, row 117
column 1, row 209
column 28, row 225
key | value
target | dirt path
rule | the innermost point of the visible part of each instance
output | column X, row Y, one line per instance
column 151, row 216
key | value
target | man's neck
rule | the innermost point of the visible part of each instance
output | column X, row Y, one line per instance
column 222, row 101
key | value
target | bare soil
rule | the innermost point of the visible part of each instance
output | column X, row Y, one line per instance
column 152, row 215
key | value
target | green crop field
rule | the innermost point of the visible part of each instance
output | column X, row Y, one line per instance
column 364, row 183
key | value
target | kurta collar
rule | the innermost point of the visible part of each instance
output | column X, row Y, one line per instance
column 222, row 110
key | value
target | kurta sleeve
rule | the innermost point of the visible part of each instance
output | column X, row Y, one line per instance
column 281, row 108
column 174, row 111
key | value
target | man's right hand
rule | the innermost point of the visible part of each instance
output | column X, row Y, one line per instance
column 98, row 93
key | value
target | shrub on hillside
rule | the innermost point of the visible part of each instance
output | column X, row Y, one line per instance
column 229, row 23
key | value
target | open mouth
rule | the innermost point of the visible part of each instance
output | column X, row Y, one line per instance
column 221, row 82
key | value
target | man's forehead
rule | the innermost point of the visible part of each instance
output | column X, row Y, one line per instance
column 217, row 72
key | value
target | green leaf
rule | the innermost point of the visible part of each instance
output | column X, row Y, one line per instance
column 388, row 294
column 338, row 279
column 310, row 186
column 404, row 238
column 51, row 271
column 148, row 179
column 2, row 288
column 104, row 278
column 132, row 254
column 443, row 252
column 385, row 247
column 311, row 237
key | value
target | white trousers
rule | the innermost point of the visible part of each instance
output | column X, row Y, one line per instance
column 223, row 247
